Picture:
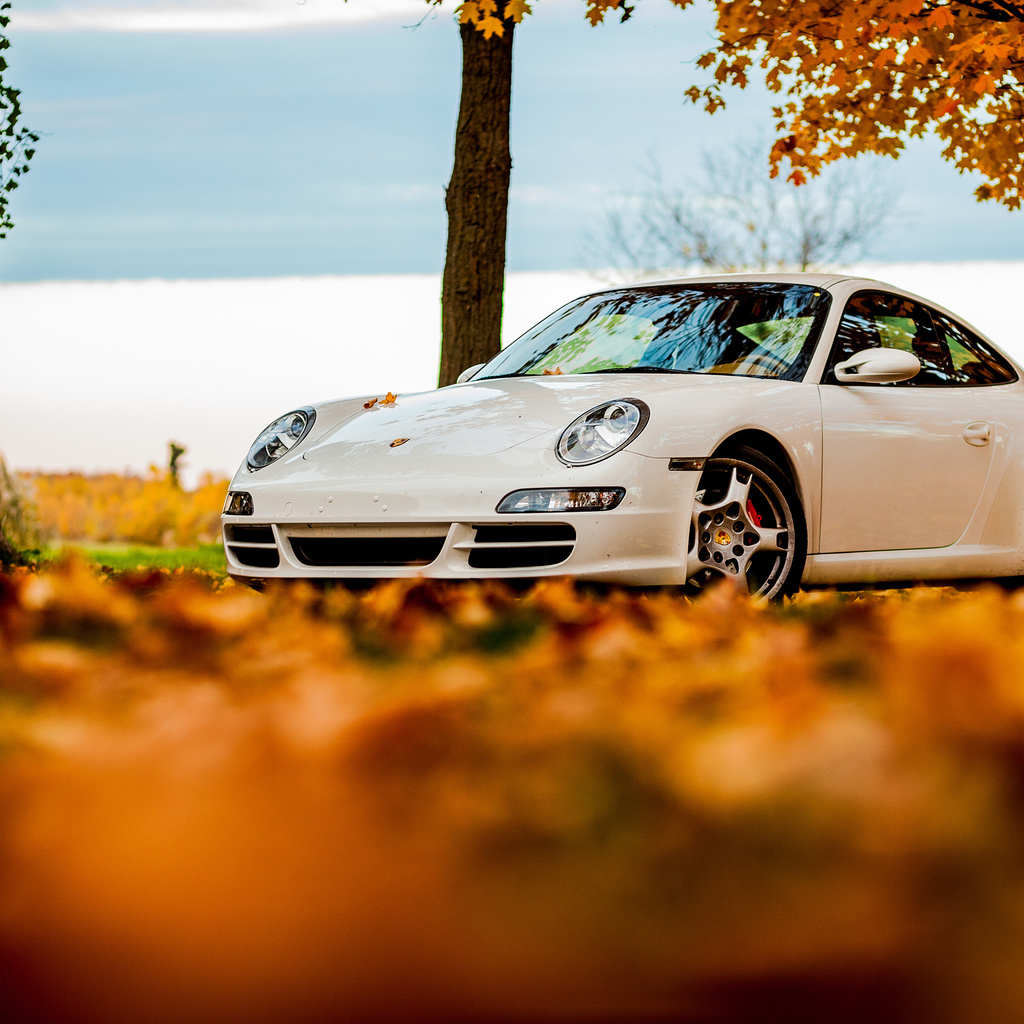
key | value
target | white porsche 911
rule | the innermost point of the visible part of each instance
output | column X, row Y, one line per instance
column 778, row 429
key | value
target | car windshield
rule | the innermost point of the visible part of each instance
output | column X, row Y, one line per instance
column 753, row 329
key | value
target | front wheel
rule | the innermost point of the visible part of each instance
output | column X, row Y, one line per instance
column 747, row 525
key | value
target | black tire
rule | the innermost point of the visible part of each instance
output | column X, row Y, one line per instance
column 771, row 564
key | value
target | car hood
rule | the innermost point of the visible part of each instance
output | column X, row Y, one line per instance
column 489, row 416
column 467, row 419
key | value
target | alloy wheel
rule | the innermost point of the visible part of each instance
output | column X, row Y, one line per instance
column 745, row 527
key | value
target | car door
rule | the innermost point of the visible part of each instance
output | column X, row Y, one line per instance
column 904, row 465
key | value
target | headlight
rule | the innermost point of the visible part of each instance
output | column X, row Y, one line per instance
column 602, row 431
column 279, row 438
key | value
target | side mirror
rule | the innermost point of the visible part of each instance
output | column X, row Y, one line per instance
column 466, row 374
column 878, row 366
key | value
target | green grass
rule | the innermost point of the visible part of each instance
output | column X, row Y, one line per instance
column 122, row 557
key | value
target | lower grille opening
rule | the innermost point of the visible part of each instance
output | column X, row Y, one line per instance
column 366, row 551
column 522, row 546
column 517, row 558
column 252, row 534
column 257, row 558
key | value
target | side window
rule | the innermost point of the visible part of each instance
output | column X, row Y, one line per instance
column 880, row 320
column 975, row 362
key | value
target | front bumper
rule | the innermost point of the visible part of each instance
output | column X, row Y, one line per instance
column 306, row 527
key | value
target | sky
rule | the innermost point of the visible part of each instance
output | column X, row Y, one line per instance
column 268, row 138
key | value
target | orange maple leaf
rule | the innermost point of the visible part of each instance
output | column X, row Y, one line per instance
column 517, row 9
column 941, row 17
column 884, row 58
column 490, row 27
column 476, row 11
column 983, row 83
column 917, row 54
column 389, row 399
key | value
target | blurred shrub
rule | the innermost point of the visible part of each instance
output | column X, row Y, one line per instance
column 18, row 523
column 434, row 801
column 132, row 509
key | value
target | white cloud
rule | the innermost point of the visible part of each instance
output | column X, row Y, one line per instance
column 580, row 195
column 211, row 15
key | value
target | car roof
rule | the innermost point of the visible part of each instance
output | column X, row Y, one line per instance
column 796, row 277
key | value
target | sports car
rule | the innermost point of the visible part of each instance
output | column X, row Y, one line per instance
column 773, row 429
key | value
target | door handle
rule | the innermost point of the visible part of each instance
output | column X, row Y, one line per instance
column 978, row 433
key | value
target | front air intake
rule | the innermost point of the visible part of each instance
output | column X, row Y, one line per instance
column 253, row 546
column 526, row 546
column 364, row 552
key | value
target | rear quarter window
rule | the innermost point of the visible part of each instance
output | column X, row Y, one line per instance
column 976, row 363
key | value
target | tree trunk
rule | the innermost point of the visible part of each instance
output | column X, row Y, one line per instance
column 477, row 204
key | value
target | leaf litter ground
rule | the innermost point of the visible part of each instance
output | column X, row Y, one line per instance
column 423, row 800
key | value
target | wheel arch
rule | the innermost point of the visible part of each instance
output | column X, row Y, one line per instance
column 767, row 445
column 774, row 449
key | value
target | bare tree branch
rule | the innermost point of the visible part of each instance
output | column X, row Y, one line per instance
column 733, row 216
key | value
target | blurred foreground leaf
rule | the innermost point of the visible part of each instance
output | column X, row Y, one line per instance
column 435, row 801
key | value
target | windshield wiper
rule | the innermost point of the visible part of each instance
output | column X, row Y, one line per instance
column 640, row 369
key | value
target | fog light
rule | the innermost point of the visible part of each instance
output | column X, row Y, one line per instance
column 563, row 499
column 238, row 503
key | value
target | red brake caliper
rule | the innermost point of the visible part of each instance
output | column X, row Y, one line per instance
column 752, row 513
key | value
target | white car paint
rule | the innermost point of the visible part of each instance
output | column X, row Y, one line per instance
column 894, row 482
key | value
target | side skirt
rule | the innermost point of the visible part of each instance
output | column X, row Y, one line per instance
column 953, row 562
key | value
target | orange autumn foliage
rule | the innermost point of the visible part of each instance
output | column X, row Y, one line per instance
column 864, row 76
column 487, row 15
column 435, row 801
column 112, row 507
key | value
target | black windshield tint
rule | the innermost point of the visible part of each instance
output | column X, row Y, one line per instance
column 748, row 329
